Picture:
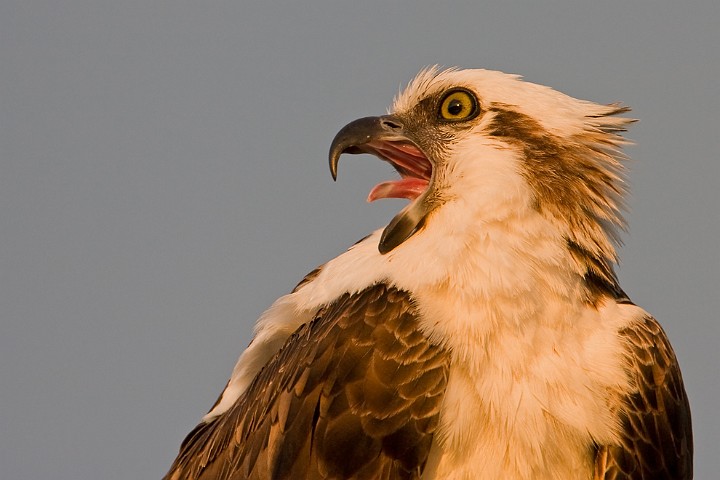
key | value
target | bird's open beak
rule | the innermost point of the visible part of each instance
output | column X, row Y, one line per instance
column 385, row 137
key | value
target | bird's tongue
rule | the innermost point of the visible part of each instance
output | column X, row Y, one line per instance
column 409, row 187
column 410, row 162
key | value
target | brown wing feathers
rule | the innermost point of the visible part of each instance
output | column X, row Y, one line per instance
column 656, row 438
column 353, row 394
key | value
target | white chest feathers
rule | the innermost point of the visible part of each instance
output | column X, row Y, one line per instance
column 530, row 403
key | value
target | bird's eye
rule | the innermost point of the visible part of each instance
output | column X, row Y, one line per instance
column 459, row 105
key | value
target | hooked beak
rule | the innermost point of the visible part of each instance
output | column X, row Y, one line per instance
column 386, row 138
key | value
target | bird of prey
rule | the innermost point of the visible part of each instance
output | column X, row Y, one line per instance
column 482, row 334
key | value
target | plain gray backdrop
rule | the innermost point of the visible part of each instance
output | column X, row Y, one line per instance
column 163, row 178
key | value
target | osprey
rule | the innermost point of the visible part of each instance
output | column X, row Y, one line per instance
column 482, row 334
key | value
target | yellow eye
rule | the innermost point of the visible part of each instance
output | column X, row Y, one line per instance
column 459, row 105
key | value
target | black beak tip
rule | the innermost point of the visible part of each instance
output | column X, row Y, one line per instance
column 334, row 158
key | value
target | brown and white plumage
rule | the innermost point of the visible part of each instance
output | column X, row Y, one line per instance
column 482, row 334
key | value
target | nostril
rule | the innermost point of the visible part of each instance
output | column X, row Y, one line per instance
column 391, row 124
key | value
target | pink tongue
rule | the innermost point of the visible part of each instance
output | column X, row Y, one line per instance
column 409, row 188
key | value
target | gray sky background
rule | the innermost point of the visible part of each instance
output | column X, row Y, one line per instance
column 163, row 178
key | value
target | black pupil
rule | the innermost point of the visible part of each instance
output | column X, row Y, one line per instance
column 455, row 107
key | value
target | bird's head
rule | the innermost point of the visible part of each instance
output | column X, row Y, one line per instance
column 493, row 146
